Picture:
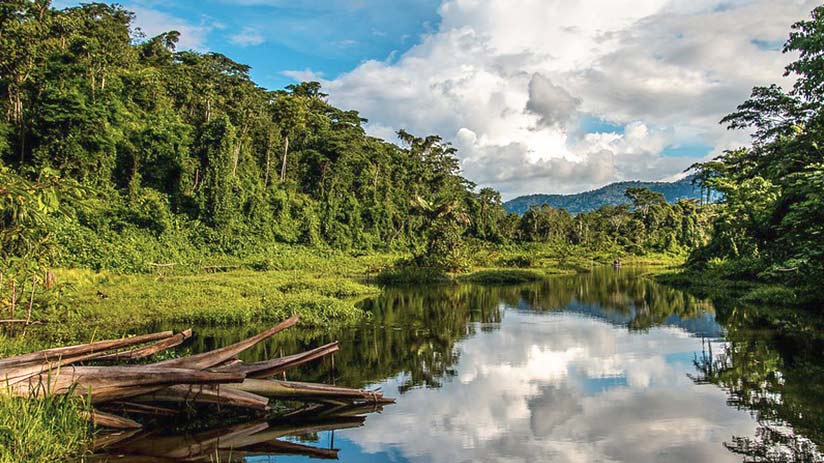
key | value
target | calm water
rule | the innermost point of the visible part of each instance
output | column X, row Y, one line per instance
column 606, row 367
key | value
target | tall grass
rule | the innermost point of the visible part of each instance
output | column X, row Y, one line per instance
column 47, row 430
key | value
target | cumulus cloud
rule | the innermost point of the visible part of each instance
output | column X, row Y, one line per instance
column 553, row 105
column 508, row 81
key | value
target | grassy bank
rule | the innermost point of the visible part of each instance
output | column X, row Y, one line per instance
column 42, row 431
column 511, row 264
column 321, row 286
column 721, row 288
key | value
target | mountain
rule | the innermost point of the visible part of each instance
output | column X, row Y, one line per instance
column 612, row 194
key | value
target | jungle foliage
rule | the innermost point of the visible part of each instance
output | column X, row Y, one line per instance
column 770, row 226
column 129, row 152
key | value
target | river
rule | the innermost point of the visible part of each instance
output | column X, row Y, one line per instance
column 607, row 366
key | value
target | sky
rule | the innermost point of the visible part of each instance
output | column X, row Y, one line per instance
column 539, row 96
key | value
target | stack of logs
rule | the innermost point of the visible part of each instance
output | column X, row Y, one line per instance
column 215, row 377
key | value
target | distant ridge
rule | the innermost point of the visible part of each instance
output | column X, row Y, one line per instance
column 612, row 194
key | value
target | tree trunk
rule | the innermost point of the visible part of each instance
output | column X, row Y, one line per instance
column 236, row 149
column 268, row 163
column 285, row 153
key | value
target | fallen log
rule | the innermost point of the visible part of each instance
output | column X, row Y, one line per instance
column 205, row 394
column 269, row 368
column 15, row 369
column 99, row 347
column 107, row 420
column 297, row 390
column 148, row 351
column 103, row 384
column 218, row 356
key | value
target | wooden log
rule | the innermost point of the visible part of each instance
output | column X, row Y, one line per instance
column 142, row 409
column 98, row 347
column 21, row 367
column 280, row 447
column 104, row 384
column 297, row 390
column 276, row 431
column 148, row 351
column 269, row 368
column 108, row 420
column 207, row 394
column 112, row 438
column 218, row 356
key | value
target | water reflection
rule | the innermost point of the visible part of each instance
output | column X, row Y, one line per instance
column 606, row 366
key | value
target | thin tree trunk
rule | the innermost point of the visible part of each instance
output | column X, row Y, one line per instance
column 236, row 149
column 13, row 298
column 31, row 300
column 268, row 163
column 285, row 153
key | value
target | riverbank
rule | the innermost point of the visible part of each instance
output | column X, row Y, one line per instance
column 322, row 286
column 723, row 288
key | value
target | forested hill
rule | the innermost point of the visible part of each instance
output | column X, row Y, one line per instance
column 610, row 195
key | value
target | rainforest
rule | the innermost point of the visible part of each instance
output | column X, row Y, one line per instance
column 144, row 186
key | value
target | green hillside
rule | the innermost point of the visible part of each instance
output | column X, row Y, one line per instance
column 612, row 194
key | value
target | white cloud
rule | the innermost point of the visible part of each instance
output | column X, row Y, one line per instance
column 153, row 22
column 508, row 81
column 553, row 105
column 247, row 37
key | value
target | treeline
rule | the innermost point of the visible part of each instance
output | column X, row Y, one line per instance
column 647, row 223
column 166, row 150
column 183, row 143
column 770, row 225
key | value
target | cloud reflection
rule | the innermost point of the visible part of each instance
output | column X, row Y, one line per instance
column 562, row 387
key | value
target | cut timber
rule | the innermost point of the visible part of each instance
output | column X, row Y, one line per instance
column 99, row 347
column 209, row 395
column 148, row 351
column 295, row 390
column 218, row 356
column 104, row 384
column 270, row 368
column 279, row 447
column 112, row 421
column 142, row 409
column 15, row 369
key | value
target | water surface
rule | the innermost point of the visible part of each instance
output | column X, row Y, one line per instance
column 602, row 367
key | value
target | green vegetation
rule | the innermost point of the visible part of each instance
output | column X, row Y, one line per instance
column 145, row 169
column 770, row 223
column 133, row 154
column 42, row 430
column 504, row 276
column 141, row 185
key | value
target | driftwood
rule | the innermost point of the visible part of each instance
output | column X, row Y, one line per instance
column 155, row 389
column 148, row 351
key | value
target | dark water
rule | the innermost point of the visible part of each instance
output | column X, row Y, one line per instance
column 603, row 367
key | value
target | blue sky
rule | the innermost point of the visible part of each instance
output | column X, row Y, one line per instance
column 539, row 96
column 275, row 36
